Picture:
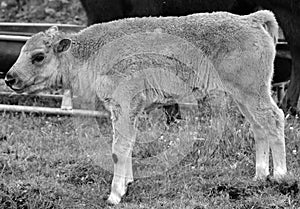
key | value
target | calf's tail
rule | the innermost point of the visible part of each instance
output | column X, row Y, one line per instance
column 267, row 19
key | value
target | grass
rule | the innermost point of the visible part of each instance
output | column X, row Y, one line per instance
column 58, row 11
column 204, row 161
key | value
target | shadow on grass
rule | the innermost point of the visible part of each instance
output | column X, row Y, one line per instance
column 242, row 191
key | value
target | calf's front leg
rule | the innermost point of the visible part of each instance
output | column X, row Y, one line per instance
column 123, row 141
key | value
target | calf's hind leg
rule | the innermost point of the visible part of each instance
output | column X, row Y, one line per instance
column 267, row 122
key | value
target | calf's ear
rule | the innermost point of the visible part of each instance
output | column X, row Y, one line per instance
column 62, row 45
column 52, row 30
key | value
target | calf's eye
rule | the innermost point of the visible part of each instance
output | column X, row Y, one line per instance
column 38, row 58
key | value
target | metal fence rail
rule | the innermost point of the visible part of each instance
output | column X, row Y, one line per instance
column 11, row 94
column 66, row 106
column 53, row 111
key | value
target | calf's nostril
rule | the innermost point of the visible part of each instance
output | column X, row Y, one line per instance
column 10, row 80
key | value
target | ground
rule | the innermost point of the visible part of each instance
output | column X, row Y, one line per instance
column 204, row 161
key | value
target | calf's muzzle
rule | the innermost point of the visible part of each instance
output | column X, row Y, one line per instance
column 12, row 80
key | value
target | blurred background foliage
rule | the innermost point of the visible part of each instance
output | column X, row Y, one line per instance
column 51, row 11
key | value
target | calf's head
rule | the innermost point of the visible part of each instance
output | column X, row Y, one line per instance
column 38, row 65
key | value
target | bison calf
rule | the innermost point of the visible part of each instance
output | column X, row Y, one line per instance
column 132, row 63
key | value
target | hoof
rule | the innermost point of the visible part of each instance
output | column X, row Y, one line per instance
column 113, row 199
column 261, row 177
column 280, row 174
